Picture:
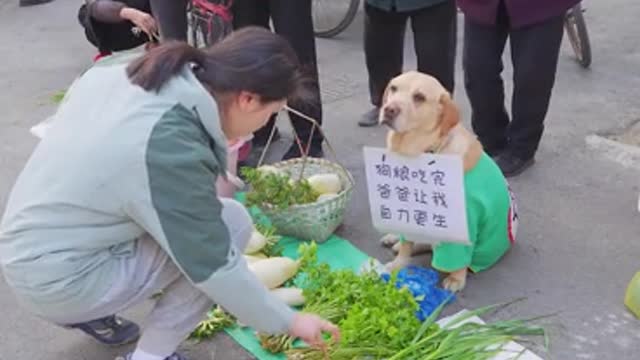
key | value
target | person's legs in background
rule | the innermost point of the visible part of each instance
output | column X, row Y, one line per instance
column 383, row 50
column 482, row 63
column 180, row 305
column 255, row 13
column 293, row 21
column 534, row 53
column 435, row 37
column 250, row 12
column 171, row 16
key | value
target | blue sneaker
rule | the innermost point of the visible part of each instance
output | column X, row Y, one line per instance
column 111, row 330
column 175, row 356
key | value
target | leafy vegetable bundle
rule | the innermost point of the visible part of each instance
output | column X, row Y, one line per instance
column 271, row 186
column 378, row 320
column 368, row 310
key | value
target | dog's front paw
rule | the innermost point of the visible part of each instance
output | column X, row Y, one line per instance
column 397, row 264
column 390, row 240
column 416, row 249
column 454, row 283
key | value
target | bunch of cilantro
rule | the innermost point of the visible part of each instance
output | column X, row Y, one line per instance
column 277, row 190
column 378, row 321
column 375, row 317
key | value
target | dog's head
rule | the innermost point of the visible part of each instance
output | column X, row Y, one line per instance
column 416, row 101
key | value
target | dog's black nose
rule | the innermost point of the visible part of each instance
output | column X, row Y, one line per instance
column 389, row 115
column 391, row 112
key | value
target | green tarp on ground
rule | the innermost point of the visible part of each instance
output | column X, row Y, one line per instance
column 337, row 252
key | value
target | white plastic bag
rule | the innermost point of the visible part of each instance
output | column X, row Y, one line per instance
column 40, row 129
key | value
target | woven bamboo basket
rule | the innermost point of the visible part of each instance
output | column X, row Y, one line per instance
column 314, row 221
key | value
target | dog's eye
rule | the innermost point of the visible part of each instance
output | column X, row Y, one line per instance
column 419, row 98
column 393, row 88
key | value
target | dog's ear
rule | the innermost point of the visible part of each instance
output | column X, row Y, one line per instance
column 449, row 116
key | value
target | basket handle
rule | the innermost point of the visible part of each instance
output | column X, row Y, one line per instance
column 305, row 150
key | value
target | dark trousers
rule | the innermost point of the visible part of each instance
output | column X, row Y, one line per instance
column 291, row 20
column 434, row 32
column 172, row 18
column 534, row 55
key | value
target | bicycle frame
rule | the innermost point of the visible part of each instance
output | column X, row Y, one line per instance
column 222, row 9
column 210, row 19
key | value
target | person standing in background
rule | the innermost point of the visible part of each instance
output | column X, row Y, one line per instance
column 292, row 20
column 171, row 16
column 534, row 30
column 434, row 31
column 109, row 25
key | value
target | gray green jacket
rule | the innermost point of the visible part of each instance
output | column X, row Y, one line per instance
column 119, row 162
column 403, row 5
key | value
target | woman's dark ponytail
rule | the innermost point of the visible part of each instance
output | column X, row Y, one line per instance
column 160, row 64
column 251, row 59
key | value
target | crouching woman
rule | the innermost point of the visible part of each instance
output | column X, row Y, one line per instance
column 118, row 202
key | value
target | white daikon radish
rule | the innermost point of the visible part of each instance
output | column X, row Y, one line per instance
column 291, row 296
column 325, row 183
column 275, row 271
column 256, row 243
column 325, row 197
column 254, row 258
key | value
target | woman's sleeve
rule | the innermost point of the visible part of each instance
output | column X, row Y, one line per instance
column 177, row 204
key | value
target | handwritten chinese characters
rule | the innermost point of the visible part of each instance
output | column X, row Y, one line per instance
column 401, row 175
column 422, row 197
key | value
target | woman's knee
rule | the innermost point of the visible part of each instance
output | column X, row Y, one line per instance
column 238, row 221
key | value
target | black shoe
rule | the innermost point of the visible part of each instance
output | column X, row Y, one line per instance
column 370, row 118
column 25, row 3
column 315, row 151
column 495, row 149
column 512, row 165
column 111, row 330
column 494, row 152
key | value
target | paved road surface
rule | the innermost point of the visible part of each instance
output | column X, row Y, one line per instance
column 579, row 235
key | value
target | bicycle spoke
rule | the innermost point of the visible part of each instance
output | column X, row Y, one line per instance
column 329, row 14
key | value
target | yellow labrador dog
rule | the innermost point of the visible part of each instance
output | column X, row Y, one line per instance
column 422, row 118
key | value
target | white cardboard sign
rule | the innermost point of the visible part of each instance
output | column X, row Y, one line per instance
column 421, row 197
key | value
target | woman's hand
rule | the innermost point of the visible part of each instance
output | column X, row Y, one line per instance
column 309, row 328
column 142, row 20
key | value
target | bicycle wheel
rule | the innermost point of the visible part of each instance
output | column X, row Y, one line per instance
column 331, row 17
column 576, row 29
column 200, row 35
column 196, row 35
column 209, row 21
